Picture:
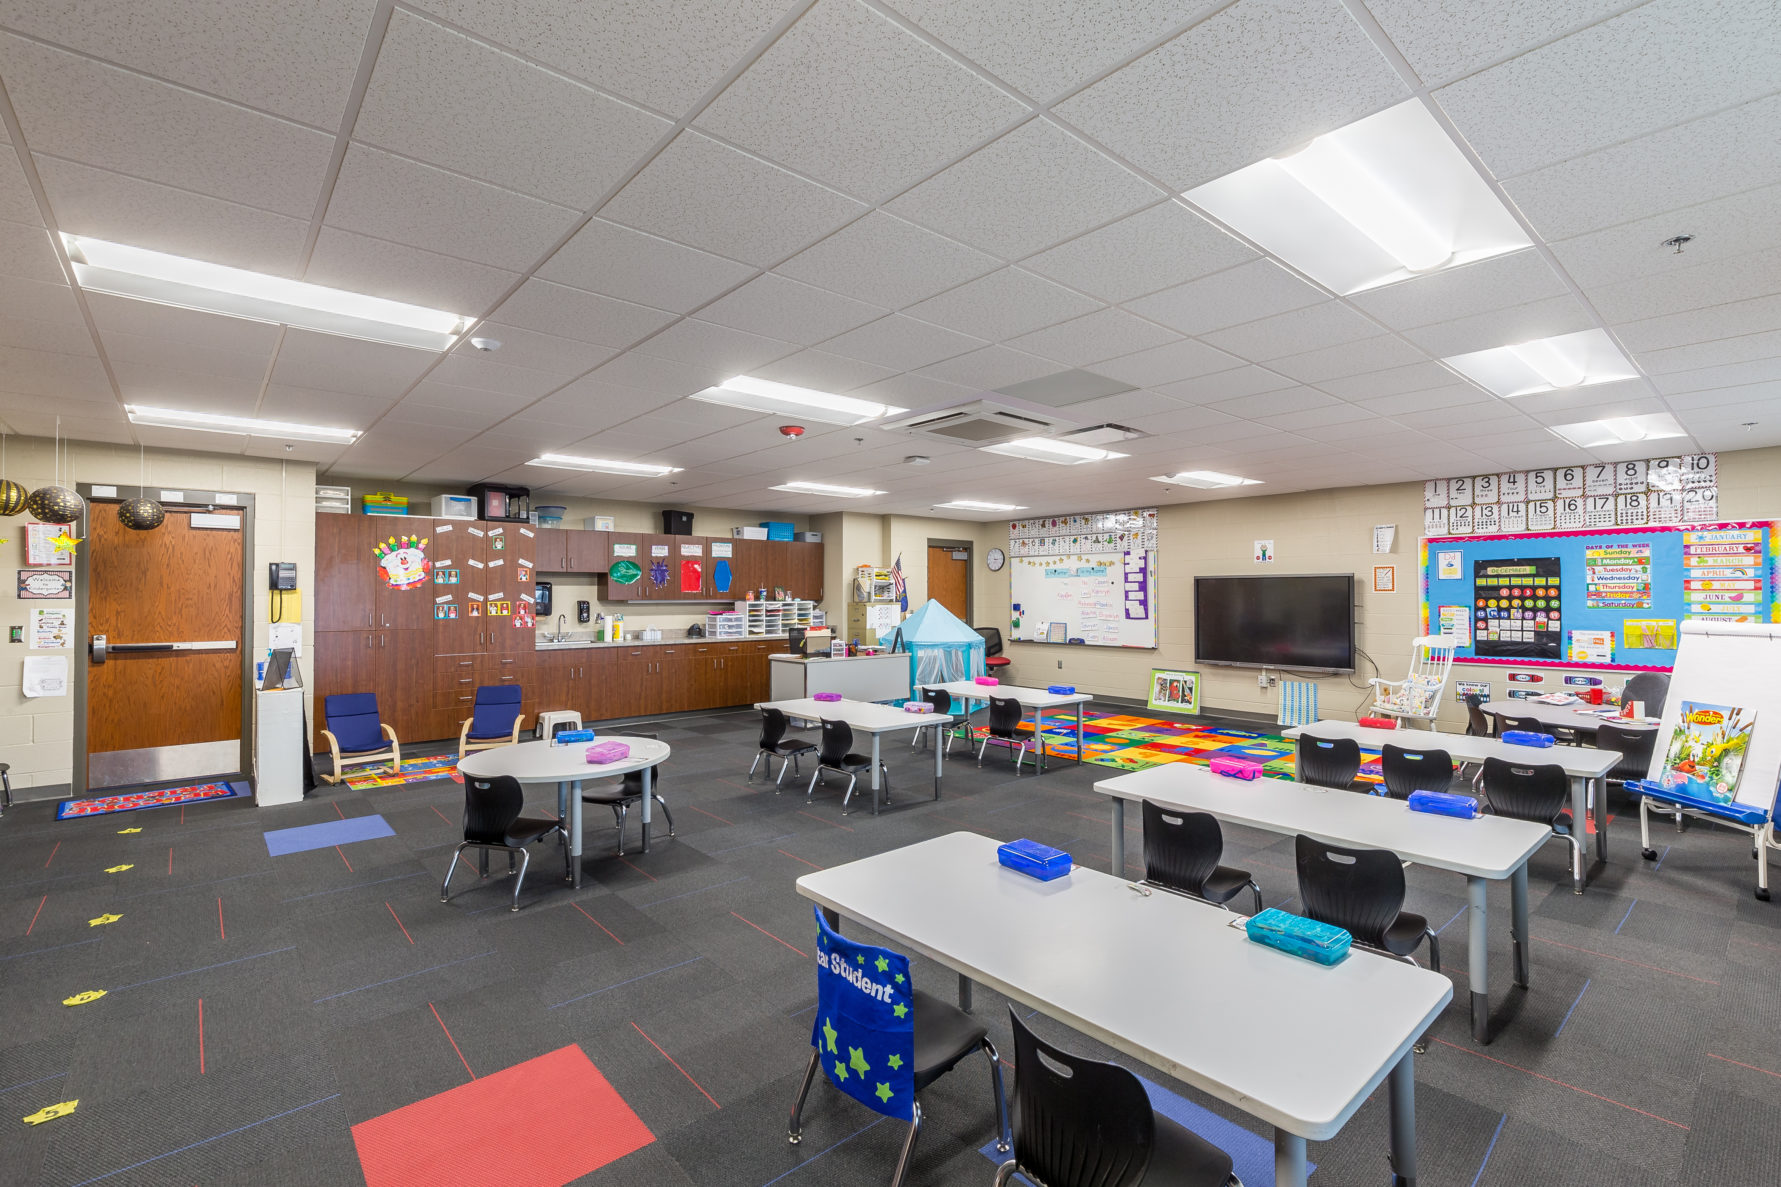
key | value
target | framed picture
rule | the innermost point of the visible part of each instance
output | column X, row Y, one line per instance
column 1385, row 578
column 1178, row 692
column 39, row 585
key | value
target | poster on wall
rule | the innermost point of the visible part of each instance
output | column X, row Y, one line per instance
column 1617, row 576
column 1455, row 622
column 692, row 575
column 402, row 561
column 1471, row 688
column 40, row 548
column 1592, row 647
column 1666, row 490
column 51, row 630
column 1515, row 611
column 45, row 676
column 1178, row 692
column 1385, row 578
column 40, row 586
column 1264, row 552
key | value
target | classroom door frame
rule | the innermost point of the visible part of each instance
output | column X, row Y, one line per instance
column 241, row 501
column 970, row 552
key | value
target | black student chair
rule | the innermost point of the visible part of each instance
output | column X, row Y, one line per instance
column 774, row 744
column 836, row 755
column 1181, row 852
column 1540, row 792
column 1327, row 762
column 1004, row 723
column 628, row 791
column 1635, row 746
column 1082, row 1123
column 1653, row 688
column 1414, row 770
column 492, row 820
column 942, row 702
column 1362, row 891
column 1477, row 724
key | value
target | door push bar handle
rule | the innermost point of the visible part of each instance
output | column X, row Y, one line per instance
column 101, row 647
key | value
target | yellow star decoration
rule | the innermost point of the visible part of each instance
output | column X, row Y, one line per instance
column 840, row 1071
column 901, row 1010
column 65, row 542
column 856, row 1059
column 882, row 964
column 883, row 1091
column 829, row 1033
column 896, row 1061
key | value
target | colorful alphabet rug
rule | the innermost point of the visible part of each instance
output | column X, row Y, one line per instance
column 414, row 770
column 162, row 797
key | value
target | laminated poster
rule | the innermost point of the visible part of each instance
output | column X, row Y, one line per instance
column 692, row 576
column 51, row 630
column 46, row 676
column 1467, row 688
column 1592, row 647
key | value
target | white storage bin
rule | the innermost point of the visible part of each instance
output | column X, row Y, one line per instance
column 453, row 507
column 748, row 533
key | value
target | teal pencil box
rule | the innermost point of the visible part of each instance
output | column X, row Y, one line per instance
column 1295, row 935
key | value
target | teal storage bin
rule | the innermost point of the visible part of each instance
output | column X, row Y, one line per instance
column 778, row 531
column 1295, row 935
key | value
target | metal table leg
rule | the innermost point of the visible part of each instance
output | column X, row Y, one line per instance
column 1118, row 861
column 1402, row 1089
column 563, row 814
column 1601, row 818
column 964, row 993
column 875, row 774
column 1289, row 1159
column 1579, row 817
column 1039, row 739
column 1478, row 955
column 1078, row 733
column 1518, row 922
column 939, row 756
column 575, row 829
column 647, row 788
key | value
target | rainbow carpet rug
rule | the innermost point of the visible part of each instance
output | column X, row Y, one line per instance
column 135, row 801
column 1136, row 743
column 414, row 770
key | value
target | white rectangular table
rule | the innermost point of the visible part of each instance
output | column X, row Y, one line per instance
column 1564, row 717
column 1587, row 767
column 1162, row 979
column 1488, row 849
column 1036, row 699
column 866, row 718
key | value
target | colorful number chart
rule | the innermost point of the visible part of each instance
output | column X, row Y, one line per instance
column 1654, row 492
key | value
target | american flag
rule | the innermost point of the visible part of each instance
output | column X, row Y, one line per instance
column 902, row 590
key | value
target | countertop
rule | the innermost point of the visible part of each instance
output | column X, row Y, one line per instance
column 786, row 657
column 664, row 641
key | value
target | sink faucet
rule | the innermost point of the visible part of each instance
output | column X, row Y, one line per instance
column 559, row 634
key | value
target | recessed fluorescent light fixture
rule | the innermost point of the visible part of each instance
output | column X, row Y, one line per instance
column 560, row 461
column 1620, row 430
column 764, row 395
column 1205, row 479
column 1380, row 200
column 976, row 505
column 144, row 275
column 244, row 426
column 823, row 488
column 1545, row 364
column 1044, row 449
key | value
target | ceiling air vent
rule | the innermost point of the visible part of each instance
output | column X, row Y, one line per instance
column 1102, row 435
column 981, row 422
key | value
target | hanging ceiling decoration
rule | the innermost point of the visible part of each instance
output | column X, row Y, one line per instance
column 12, row 497
column 55, row 504
column 141, row 515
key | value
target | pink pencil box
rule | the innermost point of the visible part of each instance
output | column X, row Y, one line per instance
column 1235, row 768
column 604, row 752
column 826, row 697
column 918, row 707
column 985, row 680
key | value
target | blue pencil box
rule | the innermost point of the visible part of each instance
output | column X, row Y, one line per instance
column 568, row 736
column 1034, row 860
column 1444, row 803
column 1061, row 689
column 1295, row 935
column 1528, row 738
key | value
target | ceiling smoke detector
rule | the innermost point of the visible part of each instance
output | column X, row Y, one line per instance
column 917, row 459
column 487, row 345
column 791, row 431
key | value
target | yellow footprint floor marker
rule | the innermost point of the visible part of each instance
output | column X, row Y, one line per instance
column 123, row 831
column 83, row 997
column 103, row 919
column 51, row 1112
column 121, row 869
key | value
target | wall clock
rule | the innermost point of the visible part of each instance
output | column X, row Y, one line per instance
column 995, row 558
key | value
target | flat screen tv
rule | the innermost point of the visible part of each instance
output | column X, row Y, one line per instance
column 1276, row 622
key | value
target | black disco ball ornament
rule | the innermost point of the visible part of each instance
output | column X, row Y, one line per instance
column 141, row 515
column 55, row 504
column 12, row 497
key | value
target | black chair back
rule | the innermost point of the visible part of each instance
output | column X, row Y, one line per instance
column 1361, row 890
column 1077, row 1121
column 773, row 727
column 1004, row 717
column 1532, row 725
column 992, row 640
column 1651, row 687
column 1635, row 746
column 939, row 698
column 1535, row 791
column 490, row 807
column 1414, row 770
column 1327, row 762
column 633, row 780
column 1477, row 724
column 1181, row 849
column 837, row 740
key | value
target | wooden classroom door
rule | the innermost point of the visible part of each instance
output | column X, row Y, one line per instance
column 947, row 579
column 164, row 693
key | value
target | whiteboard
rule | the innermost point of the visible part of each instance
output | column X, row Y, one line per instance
column 1731, row 663
column 1101, row 600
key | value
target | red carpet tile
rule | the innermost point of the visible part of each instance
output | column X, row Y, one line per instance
column 556, row 1116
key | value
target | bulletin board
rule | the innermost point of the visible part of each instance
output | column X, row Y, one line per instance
column 1610, row 599
column 1085, row 579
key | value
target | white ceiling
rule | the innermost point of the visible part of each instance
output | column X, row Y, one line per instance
column 911, row 201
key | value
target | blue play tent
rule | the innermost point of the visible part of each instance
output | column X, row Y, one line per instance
column 940, row 647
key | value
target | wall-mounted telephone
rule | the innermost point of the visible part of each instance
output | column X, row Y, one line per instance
column 281, row 575
column 281, row 580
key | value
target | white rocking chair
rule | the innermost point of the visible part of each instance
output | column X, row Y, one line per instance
column 1417, row 697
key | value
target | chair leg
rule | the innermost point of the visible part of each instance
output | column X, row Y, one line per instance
column 1006, row 1172
column 445, row 886
column 1434, row 951
column 980, row 749
column 756, row 763
column 1257, row 892
column 664, row 803
column 1004, row 1139
column 848, row 795
column 908, row 1154
column 794, row 1132
column 814, row 776
column 623, row 812
column 525, row 862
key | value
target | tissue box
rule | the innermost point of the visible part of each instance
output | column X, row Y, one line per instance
column 1065, row 690
column 605, row 752
column 1297, row 936
column 1528, row 738
column 990, row 680
column 567, row 736
column 826, row 696
column 1236, row 768
column 1444, row 803
column 1034, row 860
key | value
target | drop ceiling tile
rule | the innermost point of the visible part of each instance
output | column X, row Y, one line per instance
column 1729, row 375
column 1162, row 425
column 100, row 115
column 1743, row 349
column 1682, row 166
column 1187, row 112
column 1226, row 385
column 666, row 378
column 407, row 202
column 1085, row 341
column 338, row 364
column 26, row 253
column 606, row 258
column 1295, row 332
column 1049, row 49
column 1702, row 325
column 1292, row 399
column 460, row 103
column 788, row 309
column 1347, row 359
column 1503, row 327
column 1599, row 402
column 887, row 261
column 991, row 368
column 17, row 203
column 1122, row 408
column 1411, row 378
column 159, row 386
column 1032, row 188
column 310, row 405
column 1153, row 249
column 128, row 353
column 1334, row 422
column 822, row 371
column 34, row 300
column 1497, row 283
column 849, row 98
column 1444, row 39
column 1595, row 87
column 1723, row 228
column 1170, row 363
column 30, row 333
column 1456, row 396
column 705, row 345
column 1245, row 293
column 361, row 264
column 120, row 209
column 703, row 193
column 479, row 372
column 586, row 317
column 1003, row 304
column 46, row 373
column 562, row 358
column 293, row 60
column 901, row 343
column 1691, row 286
column 913, row 391
column 182, row 327
column 662, row 54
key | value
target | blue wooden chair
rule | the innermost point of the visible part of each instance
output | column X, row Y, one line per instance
column 356, row 734
column 494, row 719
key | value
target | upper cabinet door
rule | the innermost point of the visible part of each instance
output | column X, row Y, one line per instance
column 587, row 552
column 553, row 551
column 345, row 599
column 458, row 592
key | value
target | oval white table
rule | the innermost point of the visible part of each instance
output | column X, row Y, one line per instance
column 567, row 766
